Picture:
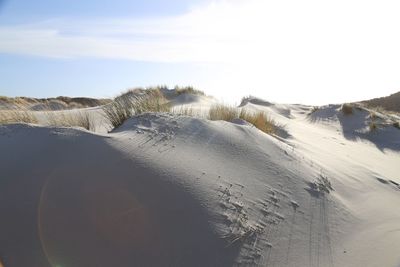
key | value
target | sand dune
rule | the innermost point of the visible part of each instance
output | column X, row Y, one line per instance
column 169, row 190
column 54, row 103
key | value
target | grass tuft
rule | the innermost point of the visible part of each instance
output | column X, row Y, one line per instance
column 314, row 109
column 186, row 111
column 258, row 119
column 373, row 126
column 221, row 112
column 17, row 116
column 127, row 105
column 396, row 124
column 187, row 90
column 70, row 119
column 347, row 109
column 322, row 185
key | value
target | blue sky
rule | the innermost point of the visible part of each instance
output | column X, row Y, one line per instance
column 42, row 77
column 25, row 10
column 38, row 76
column 310, row 51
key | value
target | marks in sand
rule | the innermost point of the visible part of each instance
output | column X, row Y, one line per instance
column 320, row 244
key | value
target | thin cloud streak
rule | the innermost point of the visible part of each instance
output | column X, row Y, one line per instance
column 228, row 31
column 217, row 31
column 311, row 45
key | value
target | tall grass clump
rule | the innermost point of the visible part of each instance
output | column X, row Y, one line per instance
column 153, row 101
column 373, row 126
column 347, row 109
column 124, row 107
column 70, row 119
column 17, row 116
column 118, row 111
column 220, row 112
column 314, row 109
column 186, row 111
column 260, row 120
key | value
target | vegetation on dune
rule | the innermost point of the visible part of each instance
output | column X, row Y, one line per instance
column 132, row 102
column 70, row 119
column 141, row 100
column 314, row 109
column 321, row 186
column 4, row 98
column 347, row 109
column 221, row 112
column 54, row 118
column 140, row 91
column 57, row 103
column 187, row 90
column 17, row 102
column 82, row 101
column 162, row 89
column 137, row 101
column 258, row 119
column 373, row 126
column 186, row 111
column 153, row 101
column 17, row 116
column 127, row 105
column 390, row 103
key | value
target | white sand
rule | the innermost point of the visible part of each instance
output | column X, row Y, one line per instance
column 167, row 190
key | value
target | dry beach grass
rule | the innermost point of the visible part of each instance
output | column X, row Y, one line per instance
column 347, row 109
column 125, row 106
column 258, row 119
column 17, row 116
column 138, row 101
column 76, row 119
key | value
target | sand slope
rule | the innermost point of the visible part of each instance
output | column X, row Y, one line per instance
column 167, row 190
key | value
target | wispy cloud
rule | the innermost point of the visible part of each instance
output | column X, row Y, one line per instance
column 308, row 44
column 202, row 35
column 222, row 31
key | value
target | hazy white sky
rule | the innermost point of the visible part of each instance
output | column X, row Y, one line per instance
column 308, row 51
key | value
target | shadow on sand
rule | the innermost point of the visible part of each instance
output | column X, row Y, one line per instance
column 355, row 127
column 70, row 199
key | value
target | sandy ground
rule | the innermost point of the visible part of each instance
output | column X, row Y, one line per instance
column 168, row 190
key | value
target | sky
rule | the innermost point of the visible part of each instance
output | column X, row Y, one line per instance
column 288, row 51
